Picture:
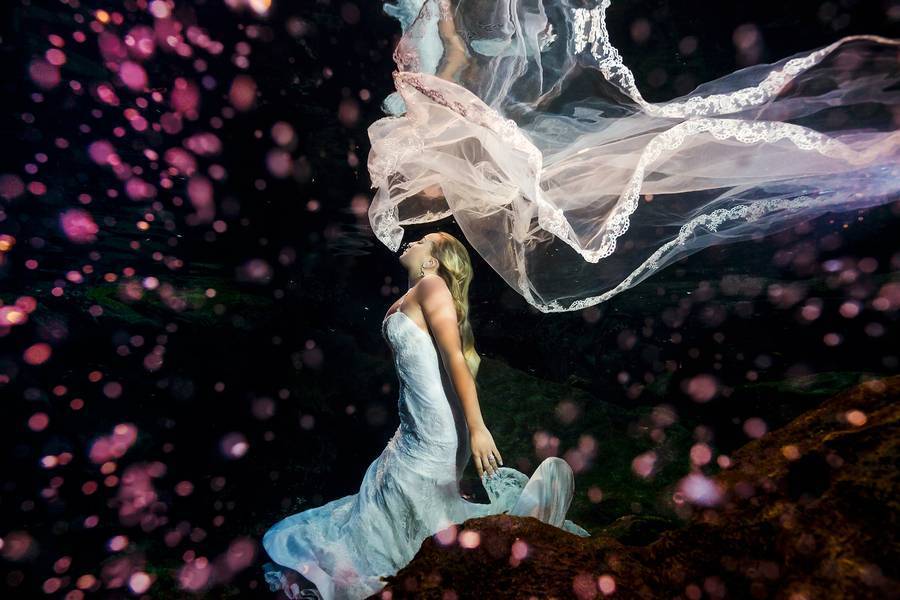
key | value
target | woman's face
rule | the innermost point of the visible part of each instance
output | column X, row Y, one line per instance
column 417, row 252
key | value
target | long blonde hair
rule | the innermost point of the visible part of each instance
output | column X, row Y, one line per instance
column 455, row 268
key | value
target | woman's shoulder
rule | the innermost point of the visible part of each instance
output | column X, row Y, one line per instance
column 432, row 283
column 432, row 289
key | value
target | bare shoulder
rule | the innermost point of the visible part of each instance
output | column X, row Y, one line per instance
column 433, row 290
column 439, row 311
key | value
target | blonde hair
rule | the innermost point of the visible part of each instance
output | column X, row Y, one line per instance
column 455, row 268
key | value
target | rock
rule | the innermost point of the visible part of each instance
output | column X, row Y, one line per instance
column 808, row 511
column 637, row 530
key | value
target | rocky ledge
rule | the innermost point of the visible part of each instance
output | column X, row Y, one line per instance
column 806, row 511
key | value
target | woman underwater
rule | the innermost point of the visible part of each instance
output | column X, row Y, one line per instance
column 411, row 491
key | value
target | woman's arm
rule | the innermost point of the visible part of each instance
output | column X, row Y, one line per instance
column 440, row 314
column 456, row 56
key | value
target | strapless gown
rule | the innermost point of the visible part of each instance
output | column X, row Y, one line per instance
column 410, row 492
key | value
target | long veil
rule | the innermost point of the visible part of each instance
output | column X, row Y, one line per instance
column 520, row 119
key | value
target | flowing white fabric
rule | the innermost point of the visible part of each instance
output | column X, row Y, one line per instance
column 574, row 188
column 411, row 491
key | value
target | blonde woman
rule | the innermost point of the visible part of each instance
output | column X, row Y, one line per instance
column 411, row 491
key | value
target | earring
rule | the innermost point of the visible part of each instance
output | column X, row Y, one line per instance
column 422, row 270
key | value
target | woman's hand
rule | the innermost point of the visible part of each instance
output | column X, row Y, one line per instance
column 483, row 450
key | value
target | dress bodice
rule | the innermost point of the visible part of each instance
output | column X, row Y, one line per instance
column 427, row 404
column 412, row 347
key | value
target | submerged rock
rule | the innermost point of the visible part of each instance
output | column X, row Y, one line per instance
column 807, row 511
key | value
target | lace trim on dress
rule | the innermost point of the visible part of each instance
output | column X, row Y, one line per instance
column 700, row 115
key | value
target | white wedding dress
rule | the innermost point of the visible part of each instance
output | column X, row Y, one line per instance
column 411, row 491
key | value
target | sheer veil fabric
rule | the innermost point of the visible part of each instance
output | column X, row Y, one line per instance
column 573, row 187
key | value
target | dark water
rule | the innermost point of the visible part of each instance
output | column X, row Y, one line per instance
column 215, row 314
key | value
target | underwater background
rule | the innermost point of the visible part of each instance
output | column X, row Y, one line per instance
column 190, row 327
